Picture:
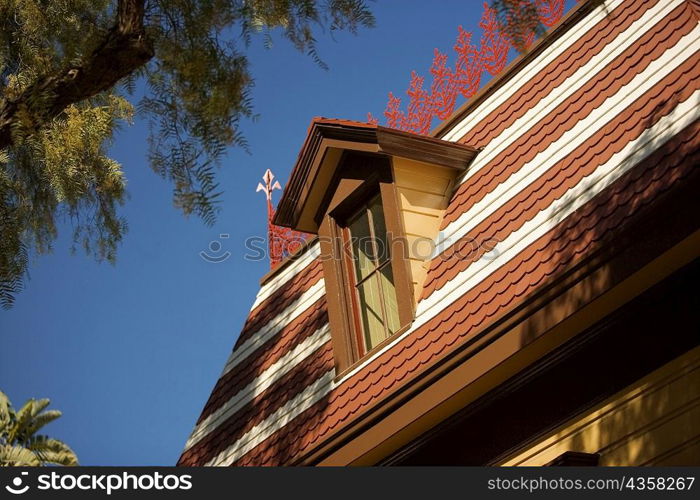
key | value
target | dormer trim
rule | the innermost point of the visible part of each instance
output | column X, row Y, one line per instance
column 320, row 156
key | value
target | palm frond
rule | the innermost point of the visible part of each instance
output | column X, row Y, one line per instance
column 39, row 405
column 17, row 456
column 41, row 420
column 22, row 418
column 52, row 451
column 6, row 413
column 19, row 443
column 26, row 417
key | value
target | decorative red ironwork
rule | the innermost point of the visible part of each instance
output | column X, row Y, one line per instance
column 424, row 105
column 550, row 11
column 281, row 241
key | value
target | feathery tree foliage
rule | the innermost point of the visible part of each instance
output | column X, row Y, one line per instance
column 68, row 70
column 20, row 445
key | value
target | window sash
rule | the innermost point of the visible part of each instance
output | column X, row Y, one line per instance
column 375, row 302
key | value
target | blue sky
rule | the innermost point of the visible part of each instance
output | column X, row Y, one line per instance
column 130, row 352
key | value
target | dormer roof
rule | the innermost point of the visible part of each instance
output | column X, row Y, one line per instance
column 320, row 155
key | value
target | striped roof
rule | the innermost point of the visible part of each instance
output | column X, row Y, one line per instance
column 600, row 124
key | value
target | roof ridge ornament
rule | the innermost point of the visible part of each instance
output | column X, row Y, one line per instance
column 281, row 241
column 269, row 185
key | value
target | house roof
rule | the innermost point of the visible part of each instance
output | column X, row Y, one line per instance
column 608, row 125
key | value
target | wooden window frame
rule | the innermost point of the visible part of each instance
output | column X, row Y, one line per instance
column 379, row 264
column 360, row 178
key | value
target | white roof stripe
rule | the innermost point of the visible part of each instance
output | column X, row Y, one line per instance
column 286, row 274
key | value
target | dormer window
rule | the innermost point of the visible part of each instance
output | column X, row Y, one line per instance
column 365, row 258
column 375, row 197
column 370, row 274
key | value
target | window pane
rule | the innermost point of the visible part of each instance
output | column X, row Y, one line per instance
column 371, row 310
column 361, row 243
column 391, row 307
column 379, row 229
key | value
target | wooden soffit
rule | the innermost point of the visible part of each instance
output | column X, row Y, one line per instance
column 322, row 151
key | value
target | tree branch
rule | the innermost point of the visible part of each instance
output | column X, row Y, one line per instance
column 124, row 49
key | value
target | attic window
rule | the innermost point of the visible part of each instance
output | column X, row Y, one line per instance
column 368, row 287
column 370, row 275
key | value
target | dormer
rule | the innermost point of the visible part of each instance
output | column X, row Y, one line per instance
column 376, row 197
